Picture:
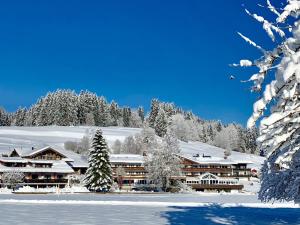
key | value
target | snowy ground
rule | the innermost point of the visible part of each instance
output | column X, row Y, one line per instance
column 11, row 137
column 144, row 209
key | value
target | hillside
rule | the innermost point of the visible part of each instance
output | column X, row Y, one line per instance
column 11, row 137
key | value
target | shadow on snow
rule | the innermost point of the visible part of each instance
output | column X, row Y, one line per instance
column 234, row 215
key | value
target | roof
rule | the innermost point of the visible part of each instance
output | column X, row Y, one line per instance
column 126, row 158
column 37, row 151
column 74, row 159
column 13, row 159
column 57, row 167
column 213, row 160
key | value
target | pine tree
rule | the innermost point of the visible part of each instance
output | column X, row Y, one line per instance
column 161, row 123
column 4, row 118
column 155, row 106
column 99, row 173
column 103, row 119
column 141, row 113
column 114, row 113
column 20, row 117
column 126, row 116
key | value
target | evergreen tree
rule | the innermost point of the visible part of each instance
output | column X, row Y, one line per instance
column 155, row 106
column 278, row 107
column 103, row 119
column 99, row 173
column 114, row 113
column 141, row 113
column 20, row 117
column 161, row 123
column 126, row 116
column 4, row 118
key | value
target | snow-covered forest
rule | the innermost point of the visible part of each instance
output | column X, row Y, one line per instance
column 66, row 108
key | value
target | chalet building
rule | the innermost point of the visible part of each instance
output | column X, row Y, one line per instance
column 43, row 167
column 52, row 167
column 202, row 173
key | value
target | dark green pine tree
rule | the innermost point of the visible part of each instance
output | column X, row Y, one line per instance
column 99, row 173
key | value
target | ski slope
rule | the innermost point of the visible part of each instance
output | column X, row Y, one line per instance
column 26, row 137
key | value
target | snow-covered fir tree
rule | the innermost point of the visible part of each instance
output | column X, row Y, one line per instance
column 141, row 113
column 164, row 164
column 66, row 108
column 87, row 108
column 4, row 118
column 115, row 113
column 161, row 123
column 278, row 78
column 99, row 173
column 155, row 106
column 104, row 118
column 126, row 116
column 20, row 117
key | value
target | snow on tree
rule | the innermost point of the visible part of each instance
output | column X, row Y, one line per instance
column 114, row 113
column 82, row 147
column 135, row 120
column 99, row 173
column 117, row 146
column 4, row 118
column 90, row 119
column 161, row 123
column 146, row 141
column 129, row 146
column 87, row 108
column 228, row 138
column 155, row 106
column 103, row 118
column 179, row 127
column 164, row 164
column 12, row 178
column 141, row 113
column 126, row 116
column 278, row 78
column 20, row 117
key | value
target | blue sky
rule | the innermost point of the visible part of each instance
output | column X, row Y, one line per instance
column 130, row 51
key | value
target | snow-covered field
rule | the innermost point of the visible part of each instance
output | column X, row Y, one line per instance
column 11, row 137
column 144, row 209
column 27, row 137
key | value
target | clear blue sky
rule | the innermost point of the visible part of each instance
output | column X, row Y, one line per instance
column 130, row 51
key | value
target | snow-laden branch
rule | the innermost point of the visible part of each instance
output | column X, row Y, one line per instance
column 267, row 26
column 272, row 8
column 249, row 41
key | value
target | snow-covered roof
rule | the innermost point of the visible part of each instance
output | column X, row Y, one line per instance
column 126, row 158
column 57, row 167
column 37, row 151
column 213, row 160
column 13, row 159
column 72, row 158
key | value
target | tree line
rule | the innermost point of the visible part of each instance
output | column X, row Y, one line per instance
column 67, row 108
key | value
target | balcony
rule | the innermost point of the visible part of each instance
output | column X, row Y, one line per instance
column 46, row 181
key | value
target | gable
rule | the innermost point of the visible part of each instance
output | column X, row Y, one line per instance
column 14, row 153
column 47, row 153
column 187, row 161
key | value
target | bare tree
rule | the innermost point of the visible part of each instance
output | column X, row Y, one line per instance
column 120, row 173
